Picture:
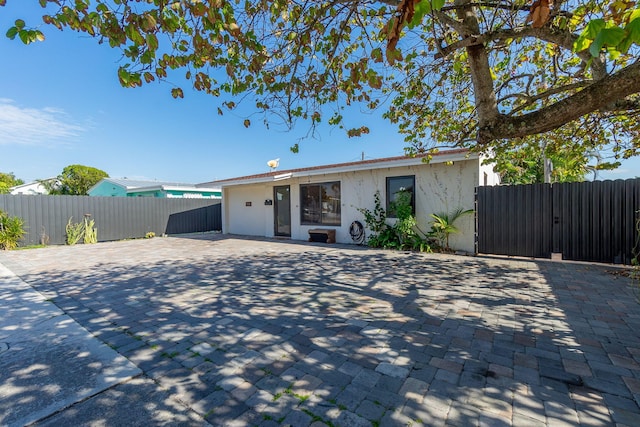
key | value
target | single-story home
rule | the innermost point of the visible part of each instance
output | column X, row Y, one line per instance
column 112, row 187
column 289, row 203
column 31, row 188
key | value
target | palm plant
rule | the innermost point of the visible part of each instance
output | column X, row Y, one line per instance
column 443, row 226
column 11, row 231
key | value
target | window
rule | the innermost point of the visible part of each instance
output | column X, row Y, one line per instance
column 396, row 184
column 320, row 203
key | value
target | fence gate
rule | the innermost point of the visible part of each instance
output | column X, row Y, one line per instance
column 586, row 221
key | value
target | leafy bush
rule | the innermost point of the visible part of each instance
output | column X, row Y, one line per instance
column 90, row 232
column 403, row 234
column 75, row 232
column 442, row 226
column 85, row 231
column 11, row 231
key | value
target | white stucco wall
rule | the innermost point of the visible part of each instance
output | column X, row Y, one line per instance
column 238, row 218
column 439, row 188
column 487, row 175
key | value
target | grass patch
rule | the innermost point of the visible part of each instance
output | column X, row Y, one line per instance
column 169, row 355
column 19, row 248
column 313, row 416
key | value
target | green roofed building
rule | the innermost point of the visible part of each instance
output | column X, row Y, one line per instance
column 112, row 187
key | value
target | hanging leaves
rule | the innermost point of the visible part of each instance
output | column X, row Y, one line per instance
column 539, row 13
column 296, row 57
column 26, row 35
column 410, row 13
column 406, row 10
column 600, row 34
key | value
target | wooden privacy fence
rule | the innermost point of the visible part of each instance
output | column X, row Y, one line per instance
column 116, row 218
column 585, row 221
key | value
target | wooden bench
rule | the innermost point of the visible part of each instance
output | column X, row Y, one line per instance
column 323, row 235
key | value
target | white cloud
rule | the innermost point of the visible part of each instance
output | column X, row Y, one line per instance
column 32, row 126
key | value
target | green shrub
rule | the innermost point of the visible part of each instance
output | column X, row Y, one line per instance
column 75, row 232
column 403, row 234
column 90, row 232
column 442, row 226
column 85, row 231
column 11, row 231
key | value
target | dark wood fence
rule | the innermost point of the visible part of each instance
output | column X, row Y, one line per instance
column 116, row 218
column 586, row 221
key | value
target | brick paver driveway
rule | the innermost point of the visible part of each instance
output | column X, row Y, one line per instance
column 254, row 332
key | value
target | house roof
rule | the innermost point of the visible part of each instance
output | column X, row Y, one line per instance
column 440, row 157
column 132, row 185
column 135, row 183
column 34, row 184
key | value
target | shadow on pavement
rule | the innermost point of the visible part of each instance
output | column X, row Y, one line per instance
column 269, row 333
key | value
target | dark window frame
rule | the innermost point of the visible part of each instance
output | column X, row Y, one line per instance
column 317, row 211
column 389, row 193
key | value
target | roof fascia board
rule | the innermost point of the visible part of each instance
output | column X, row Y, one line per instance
column 396, row 163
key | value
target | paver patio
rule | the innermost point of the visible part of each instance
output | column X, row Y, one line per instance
column 268, row 333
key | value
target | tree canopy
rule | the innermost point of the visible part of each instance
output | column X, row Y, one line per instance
column 491, row 75
column 75, row 180
column 8, row 180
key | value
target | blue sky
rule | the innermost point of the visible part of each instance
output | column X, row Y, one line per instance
column 61, row 104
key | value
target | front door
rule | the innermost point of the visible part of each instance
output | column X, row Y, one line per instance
column 282, row 210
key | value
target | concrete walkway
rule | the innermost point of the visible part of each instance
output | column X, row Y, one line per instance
column 241, row 332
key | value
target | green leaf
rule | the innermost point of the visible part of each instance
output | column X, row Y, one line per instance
column 24, row 36
column 152, row 42
column 19, row 24
column 596, row 46
column 437, row 4
column 593, row 28
column 581, row 43
column 633, row 29
column 612, row 36
column 12, row 33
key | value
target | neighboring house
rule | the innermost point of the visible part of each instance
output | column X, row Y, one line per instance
column 292, row 202
column 35, row 187
column 112, row 187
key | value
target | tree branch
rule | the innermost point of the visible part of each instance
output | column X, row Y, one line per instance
column 553, row 91
column 484, row 93
column 601, row 94
column 552, row 35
